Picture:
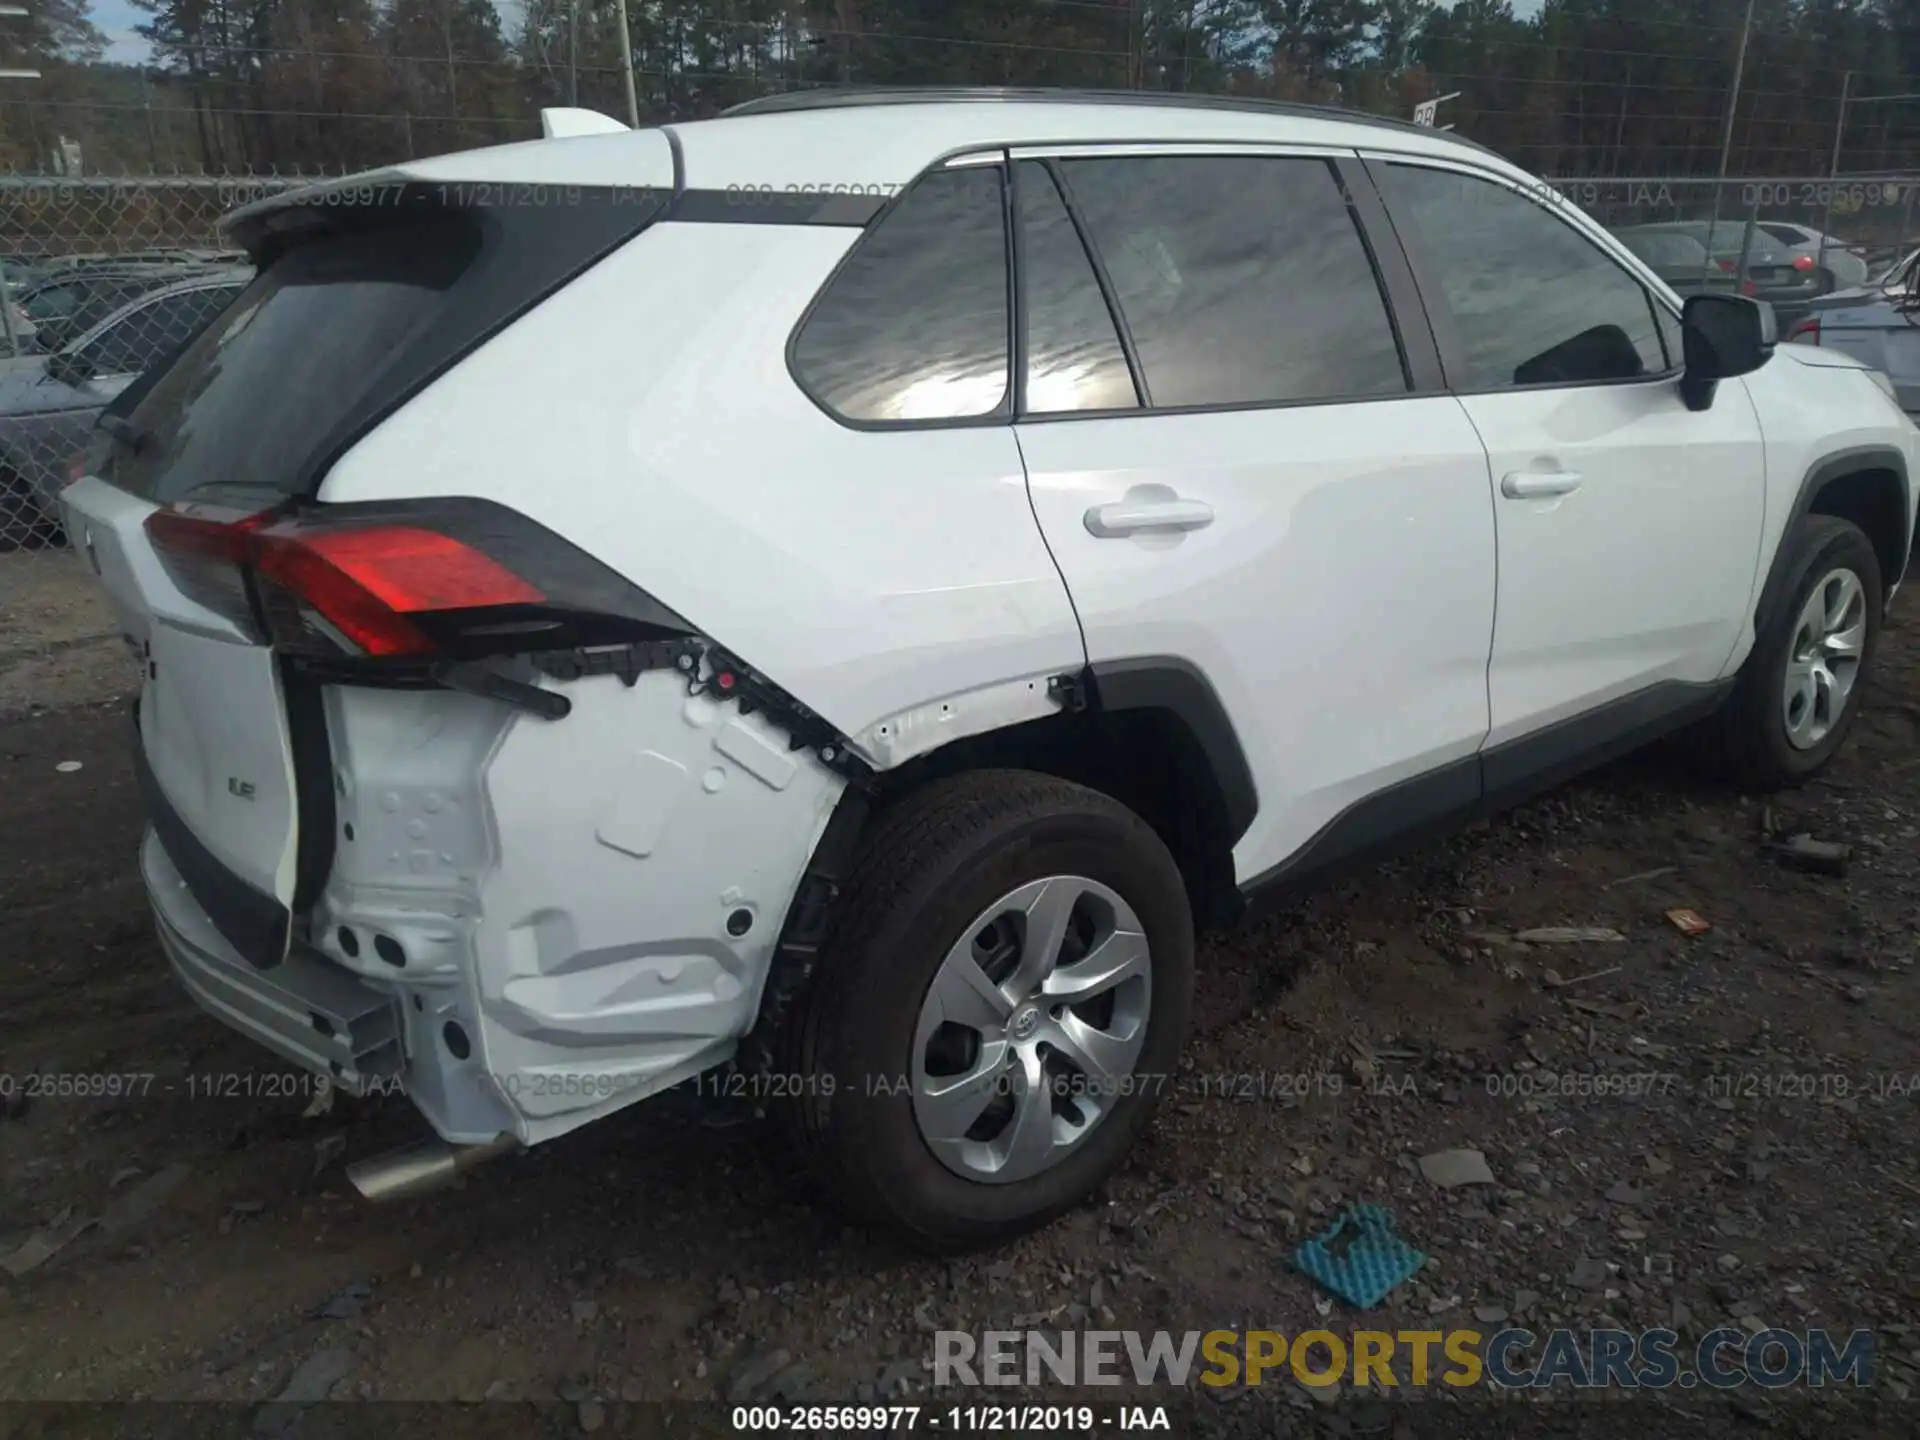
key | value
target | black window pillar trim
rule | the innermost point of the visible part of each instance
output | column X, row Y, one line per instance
column 1104, row 280
column 1450, row 350
column 1016, row 287
column 1394, row 274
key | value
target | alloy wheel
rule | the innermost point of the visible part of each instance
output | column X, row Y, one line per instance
column 1823, row 659
column 1031, row 1028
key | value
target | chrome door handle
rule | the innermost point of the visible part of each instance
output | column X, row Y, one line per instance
column 1533, row 485
column 1129, row 517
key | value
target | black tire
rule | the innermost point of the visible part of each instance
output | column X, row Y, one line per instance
column 1748, row 735
column 928, row 866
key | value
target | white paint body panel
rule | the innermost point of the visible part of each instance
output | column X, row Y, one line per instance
column 865, row 573
column 213, row 720
column 1813, row 405
column 1642, row 573
column 1341, row 601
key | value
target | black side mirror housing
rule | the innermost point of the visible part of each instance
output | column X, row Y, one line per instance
column 1724, row 336
column 68, row 368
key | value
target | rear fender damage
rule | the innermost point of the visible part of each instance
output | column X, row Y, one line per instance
column 634, row 865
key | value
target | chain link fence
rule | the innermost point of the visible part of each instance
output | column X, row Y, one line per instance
column 103, row 277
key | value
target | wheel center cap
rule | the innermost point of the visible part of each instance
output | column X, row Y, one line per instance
column 1024, row 1023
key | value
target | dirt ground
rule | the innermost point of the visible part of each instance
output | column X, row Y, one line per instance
column 1762, row 1168
column 58, row 641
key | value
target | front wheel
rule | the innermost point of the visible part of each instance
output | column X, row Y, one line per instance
column 999, row 1005
column 1800, row 687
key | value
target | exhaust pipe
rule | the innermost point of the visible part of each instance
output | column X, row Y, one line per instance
column 423, row 1167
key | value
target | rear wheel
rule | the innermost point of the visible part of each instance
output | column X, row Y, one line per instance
column 1800, row 688
column 999, row 1005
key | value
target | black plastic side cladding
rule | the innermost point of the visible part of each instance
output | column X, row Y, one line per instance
column 312, row 785
column 1166, row 682
column 1833, row 468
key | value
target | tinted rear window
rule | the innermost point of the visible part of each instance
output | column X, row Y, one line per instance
column 357, row 309
column 253, row 398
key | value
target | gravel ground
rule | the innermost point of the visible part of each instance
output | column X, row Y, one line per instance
column 1685, row 1131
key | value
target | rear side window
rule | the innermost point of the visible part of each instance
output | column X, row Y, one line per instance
column 1074, row 357
column 356, row 309
column 913, row 326
column 1243, row 280
column 1535, row 301
column 249, row 401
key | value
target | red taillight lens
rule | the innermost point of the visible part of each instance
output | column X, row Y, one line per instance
column 457, row 579
column 365, row 582
column 1727, row 265
column 204, row 549
column 1803, row 263
column 1807, row 332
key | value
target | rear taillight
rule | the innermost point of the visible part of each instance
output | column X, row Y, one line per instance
column 1807, row 332
column 459, row 579
column 1803, row 263
column 1727, row 265
column 1747, row 287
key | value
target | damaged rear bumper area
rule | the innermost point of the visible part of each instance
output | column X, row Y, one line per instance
column 527, row 924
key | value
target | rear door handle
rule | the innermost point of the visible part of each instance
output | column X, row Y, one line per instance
column 1130, row 517
column 1534, row 485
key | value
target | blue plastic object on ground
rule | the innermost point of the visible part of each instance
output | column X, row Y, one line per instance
column 1359, row 1257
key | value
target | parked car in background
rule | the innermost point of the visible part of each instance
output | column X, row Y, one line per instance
column 1878, row 324
column 49, row 403
column 1681, row 261
column 1771, row 274
column 57, row 310
column 1836, row 264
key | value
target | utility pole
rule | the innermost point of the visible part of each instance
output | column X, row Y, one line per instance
column 1726, row 140
column 7, row 328
column 573, row 52
column 1733, row 96
column 626, row 64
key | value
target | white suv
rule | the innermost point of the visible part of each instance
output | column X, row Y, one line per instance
column 843, row 590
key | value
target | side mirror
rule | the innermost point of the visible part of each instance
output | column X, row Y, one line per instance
column 68, row 368
column 1723, row 336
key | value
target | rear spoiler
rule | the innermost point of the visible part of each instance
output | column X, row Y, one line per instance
column 561, row 122
column 307, row 207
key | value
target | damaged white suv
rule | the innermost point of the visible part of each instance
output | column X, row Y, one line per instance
column 844, row 590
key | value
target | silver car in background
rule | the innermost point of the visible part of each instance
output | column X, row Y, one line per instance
column 1836, row 264
column 49, row 403
column 1878, row 324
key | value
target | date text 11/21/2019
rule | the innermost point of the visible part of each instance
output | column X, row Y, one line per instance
column 957, row 1419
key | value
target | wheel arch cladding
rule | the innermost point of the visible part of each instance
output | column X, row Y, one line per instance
column 1177, row 687
column 1868, row 486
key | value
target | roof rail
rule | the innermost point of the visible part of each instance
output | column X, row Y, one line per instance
column 843, row 97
